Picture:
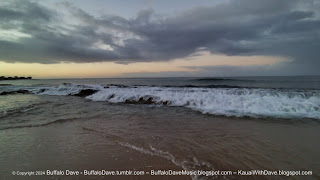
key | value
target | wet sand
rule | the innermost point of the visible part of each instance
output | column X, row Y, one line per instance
column 67, row 147
column 143, row 137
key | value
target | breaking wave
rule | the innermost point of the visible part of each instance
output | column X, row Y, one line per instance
column 239, row 102
column 222, row 101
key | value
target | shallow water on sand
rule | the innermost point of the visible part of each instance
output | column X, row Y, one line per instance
column 65, row 132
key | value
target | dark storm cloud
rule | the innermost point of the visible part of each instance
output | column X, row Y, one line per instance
column 248, row 27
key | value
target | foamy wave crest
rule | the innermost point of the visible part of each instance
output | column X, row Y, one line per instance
column 218, row 101
column 229, row 102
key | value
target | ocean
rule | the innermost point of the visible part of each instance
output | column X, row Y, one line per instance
column 225, row 124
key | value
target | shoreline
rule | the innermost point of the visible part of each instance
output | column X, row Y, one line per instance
column 97, row 154
column 51, row 126
column 3, row 78
column 103, row 136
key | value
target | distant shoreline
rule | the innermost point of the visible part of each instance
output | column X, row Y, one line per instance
column 14, row 78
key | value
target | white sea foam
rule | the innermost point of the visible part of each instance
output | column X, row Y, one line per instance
column 218, row 101
column 230, row 102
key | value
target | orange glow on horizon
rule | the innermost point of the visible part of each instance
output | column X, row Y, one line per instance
column 111, row 69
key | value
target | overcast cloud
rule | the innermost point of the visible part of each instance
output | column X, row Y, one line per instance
column 31, row 32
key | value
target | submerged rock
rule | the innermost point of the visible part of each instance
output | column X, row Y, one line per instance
column 85, row 92
column 15, row 92
column 112, row 96
column 166, row 102
column 41, row 91
column 140, row 101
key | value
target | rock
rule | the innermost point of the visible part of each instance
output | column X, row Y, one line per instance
column 6, row 93
column 166, row 103
column 16, row 92
column 112, row 96
column 41, row 90
column 85, row 92
column 140, row 101
column 23, row 92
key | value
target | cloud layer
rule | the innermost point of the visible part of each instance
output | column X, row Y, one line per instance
column 31, row 32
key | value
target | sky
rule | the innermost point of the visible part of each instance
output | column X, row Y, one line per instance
column 153, row 38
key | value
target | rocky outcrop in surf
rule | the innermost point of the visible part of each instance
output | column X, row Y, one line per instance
column 140, row 101
column 85, row 93
column 15, row 92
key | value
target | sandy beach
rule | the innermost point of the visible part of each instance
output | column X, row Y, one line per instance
column 104, row 136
